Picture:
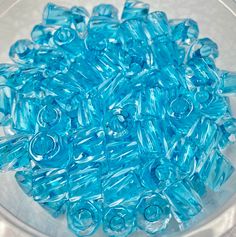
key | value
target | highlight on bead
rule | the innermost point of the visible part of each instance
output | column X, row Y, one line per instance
column 118, row 124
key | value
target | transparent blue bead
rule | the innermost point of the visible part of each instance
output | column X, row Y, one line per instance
column 153, row 213
column 24, row 180
column 185, row 202
column 184, row 31
column 122, row 155
column 203, row 48
column 150, row 137
column 79, row 19
column 121, row 187
column 229, row 83
column 13, row 152
column 42, row 34
column 51, row 117
column 56, row 15
column 68, row 39
column 157, row 25
column 159, row 173
column 85, row 182
column 49, row 185
column 107, row 10
column 89, row 146
column 48, row 149
column 22, row 52
column 55, row 209
column 24, row 114
column 198, row 185
column 216, row 171
column 118, row 221
column 135, row 9
column 83, row 218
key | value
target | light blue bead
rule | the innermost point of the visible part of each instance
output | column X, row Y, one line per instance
column 121, row 187
column 24, row 180
column 216, row 171
column 118, row 221
column 229, row 84
column 153, row 213
column 122, row 155
column 50, row 150
column 83, row 218
column 42, row 34
column 13, row 152
column 184, row 31
column 22, row 52
column 203, row 48
column 56, row 15
column 55, row 209
column 68, row 39
column 185, row 202
column 85, row 182
column 134, row 9
column 198, row 185
column 107, row 10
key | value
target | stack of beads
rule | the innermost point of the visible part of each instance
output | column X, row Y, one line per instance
column 117, row 123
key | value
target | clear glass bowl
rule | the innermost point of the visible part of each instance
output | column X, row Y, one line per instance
column 217, row 20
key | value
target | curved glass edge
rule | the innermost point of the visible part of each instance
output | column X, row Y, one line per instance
column 229, row 5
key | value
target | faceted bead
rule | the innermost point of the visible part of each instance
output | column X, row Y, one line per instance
column 229, row 84
column 22, row 52
column 122, row 187
column 185, row 202
column 68, row 39
column 14, row 152
column 184, row 31
column 56, row 15
column 55, row 209
column 24, row 180
column 135, row 9
column 157, row 25
column 42, row 34
column 198, row 184
column 85, row 182
column 122, row 155
column 203, row 48
column 83, row 217
column 153, row 213
column 118, row 221
column 106, row 10
column 48, row 149
column 159, row 173
column 216, row 171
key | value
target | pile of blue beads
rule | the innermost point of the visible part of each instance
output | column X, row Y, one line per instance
column 117, row 123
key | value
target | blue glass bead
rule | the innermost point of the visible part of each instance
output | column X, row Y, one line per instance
column 85, row 182
column 153, row 213
column 79, row 20
column 42, row 34
column 48, row 149
column 68, row 39
column 13, row 152
column 185, row 202
column 122, row 155
column 157, row 25
column 56, row 15
column 51, row 117
column 121, row 187
column 229, row 84
column 118, row 221
column 55, row 209
column 83, row 218
column 184, row 31
column 203, row 48
column 24, row 114
column 150, row 136
column 159, row 173
column 24, row 180
column 106, row 10
column 22, row 52
column 134, row 9
column 198, row 185
column 216, row 171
